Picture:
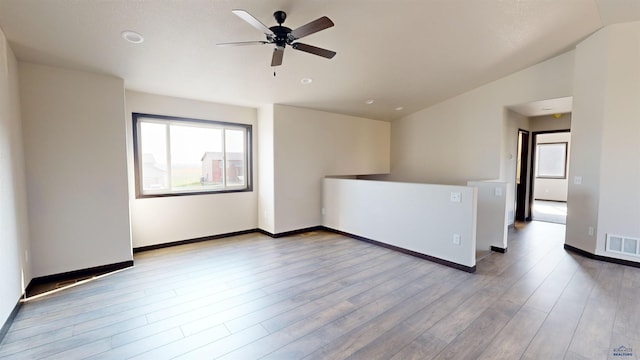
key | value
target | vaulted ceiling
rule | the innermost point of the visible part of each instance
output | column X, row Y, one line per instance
column 403, row 54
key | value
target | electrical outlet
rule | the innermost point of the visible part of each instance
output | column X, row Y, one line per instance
column 590, row 231
column 456, row 197
column 324, row 212
column 497, row 192
column 456, row 239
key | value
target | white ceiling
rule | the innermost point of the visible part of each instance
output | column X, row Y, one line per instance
column 545, row 107
column 400, row 53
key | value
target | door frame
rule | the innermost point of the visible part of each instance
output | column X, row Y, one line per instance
column 520, row 197
column 534, row 142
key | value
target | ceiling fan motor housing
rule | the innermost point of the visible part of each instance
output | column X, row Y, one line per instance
column 280, row 16
column 281, row 37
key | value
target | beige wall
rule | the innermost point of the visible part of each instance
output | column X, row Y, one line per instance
column 309, row 145
column 456, row 140
column 174, row 218
column 416, row 217
column 266, row 163
column 492, row 214
column 463, row 138
column 605, row 148
column 619, row 205
column 473, row 136
column 595, row 81
column 550, row 123
column 513, row 122
column 15, row 267
column 75, row 150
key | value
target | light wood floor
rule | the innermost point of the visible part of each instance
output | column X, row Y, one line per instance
column 324, row 296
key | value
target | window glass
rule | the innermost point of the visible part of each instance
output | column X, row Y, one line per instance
column 179, row 156
column 234, row 149
column 552, row 160
column 153, row 141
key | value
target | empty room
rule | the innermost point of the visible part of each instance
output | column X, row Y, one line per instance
column 209, row 179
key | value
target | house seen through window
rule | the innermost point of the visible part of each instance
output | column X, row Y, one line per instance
column 180, row 156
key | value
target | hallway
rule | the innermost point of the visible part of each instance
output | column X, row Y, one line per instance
column 549, row 211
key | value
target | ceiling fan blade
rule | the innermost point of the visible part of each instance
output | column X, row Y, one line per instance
column 276, row 59
column 314, row 50
column 242, row 43
column 244, row 15
column 312, row 27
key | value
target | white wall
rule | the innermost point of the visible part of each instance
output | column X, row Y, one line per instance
column 266, row 163
column 417, row 217
column 75, row 151
column 513, row 122
column 174, row 218
column 15, row 270
column 619, row 206
column 460, row 139
column 552, row 189
column 588, row 110
column 492, row 210
column 309, row 145
column 618, row 197
column 605, row 149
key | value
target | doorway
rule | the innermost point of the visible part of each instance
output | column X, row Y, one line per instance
column 522, row 166
column 549, row 180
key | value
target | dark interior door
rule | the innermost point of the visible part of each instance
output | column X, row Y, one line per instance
column 521, row 175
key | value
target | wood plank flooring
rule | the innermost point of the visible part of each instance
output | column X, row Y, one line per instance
column 324, row 296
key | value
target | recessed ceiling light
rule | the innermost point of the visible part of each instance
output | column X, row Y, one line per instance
column 306, row 81
column 399, row 108
column 369, row 102
column 132, row 36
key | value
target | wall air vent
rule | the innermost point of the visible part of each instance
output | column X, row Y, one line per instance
column 623, row 245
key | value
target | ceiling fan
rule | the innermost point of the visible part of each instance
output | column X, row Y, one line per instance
column 282, row 36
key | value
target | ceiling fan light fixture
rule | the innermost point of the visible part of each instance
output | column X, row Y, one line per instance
column 132, row 37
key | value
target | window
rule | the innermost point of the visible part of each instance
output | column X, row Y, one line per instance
column 552, row 161
column 180, row 156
